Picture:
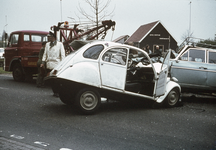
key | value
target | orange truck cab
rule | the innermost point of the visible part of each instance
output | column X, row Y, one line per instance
column 21, row 53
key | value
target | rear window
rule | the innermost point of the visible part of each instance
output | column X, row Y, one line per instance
column 93, row 52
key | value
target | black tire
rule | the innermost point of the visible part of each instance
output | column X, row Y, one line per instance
column 18, row 73
column 172, row 98
column 66, row 97
column 88, row 101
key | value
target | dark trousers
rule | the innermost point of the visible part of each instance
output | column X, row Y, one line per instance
column 41, row 75
column 54, row 84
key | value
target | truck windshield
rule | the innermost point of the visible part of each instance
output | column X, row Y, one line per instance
column 14, row 39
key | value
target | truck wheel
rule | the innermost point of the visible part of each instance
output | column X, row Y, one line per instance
column 88, row 101
column 18, row 73
column 172, row 98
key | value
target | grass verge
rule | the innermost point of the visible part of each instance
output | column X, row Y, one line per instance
column 3, row 72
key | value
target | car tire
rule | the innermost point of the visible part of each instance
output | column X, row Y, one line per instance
column 18, row 73
column 88, row 101
column 172, row 98
column 66, row 97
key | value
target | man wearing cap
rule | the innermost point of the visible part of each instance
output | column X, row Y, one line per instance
column 54, row 53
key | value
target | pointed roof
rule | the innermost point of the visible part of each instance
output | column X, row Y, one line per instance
column 142, row 32
column 121, row 37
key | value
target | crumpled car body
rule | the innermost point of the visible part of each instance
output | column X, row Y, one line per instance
column 195, row 69
column 113, row 71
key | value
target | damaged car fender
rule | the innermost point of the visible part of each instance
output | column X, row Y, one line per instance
column 171, row 88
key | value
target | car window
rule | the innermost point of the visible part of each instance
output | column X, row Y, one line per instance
column 38, row 38
column 197, row 55
column 212, row 57
column 194, row 55
column 26, row 38
column 116, row 56
column 14, row 39
column 184, row 56
column 93, row 52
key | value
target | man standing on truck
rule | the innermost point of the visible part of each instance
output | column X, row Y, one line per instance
column 54, row 53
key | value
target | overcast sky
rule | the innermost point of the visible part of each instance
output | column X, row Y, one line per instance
column 129, row 15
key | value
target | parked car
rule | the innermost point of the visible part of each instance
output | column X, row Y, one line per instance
column 114, row 71
column 1, row 57
column 195, row 69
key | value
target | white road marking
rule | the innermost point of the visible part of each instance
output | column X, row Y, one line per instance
column 15, row 145
column 65, row 149
column 2, row 88
column 17, row 136
column 41, row 143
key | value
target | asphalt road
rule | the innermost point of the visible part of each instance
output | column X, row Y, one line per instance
column 31, row 118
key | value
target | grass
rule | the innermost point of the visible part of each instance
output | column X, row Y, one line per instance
column 3, row 72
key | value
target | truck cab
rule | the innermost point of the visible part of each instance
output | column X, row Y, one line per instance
column 21, row 53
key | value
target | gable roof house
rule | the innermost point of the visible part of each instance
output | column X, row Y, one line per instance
column 121, row 39
column 153, row 34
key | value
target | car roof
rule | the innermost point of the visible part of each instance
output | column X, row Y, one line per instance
column 109, row 44
column 187, row 47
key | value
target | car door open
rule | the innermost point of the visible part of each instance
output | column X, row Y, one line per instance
column 162, row 72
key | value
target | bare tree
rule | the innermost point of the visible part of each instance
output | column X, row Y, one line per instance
column 186, row 37
column 98, row 11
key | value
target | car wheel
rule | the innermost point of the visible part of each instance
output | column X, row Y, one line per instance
column 172, row 98
column 66, row 97
column 88, row 101
column 18, row 73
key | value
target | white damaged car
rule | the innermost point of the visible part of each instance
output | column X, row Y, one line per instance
column 113, row 71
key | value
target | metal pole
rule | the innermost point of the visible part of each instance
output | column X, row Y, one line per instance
column 5, row 39
column 190, row 21
column 61, row 9
column 97, row 15
column 5, row 31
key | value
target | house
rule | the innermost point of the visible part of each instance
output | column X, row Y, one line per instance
column 153, row 34
column 121, row 39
